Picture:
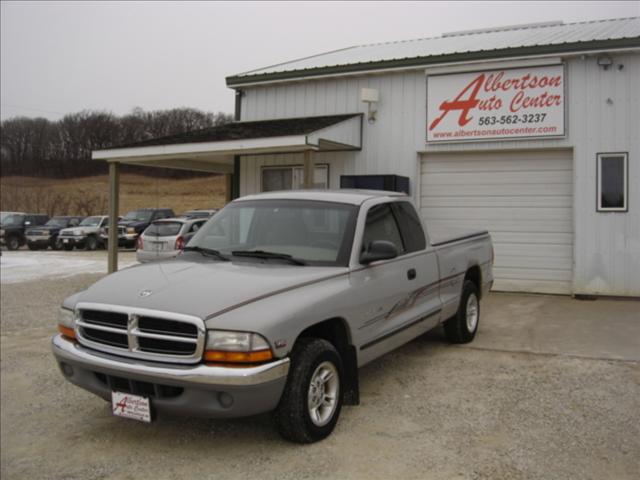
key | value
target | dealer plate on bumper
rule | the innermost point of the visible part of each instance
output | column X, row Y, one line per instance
column 131, row 406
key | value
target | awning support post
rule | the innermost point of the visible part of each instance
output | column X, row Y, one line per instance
column 308, row 169
column 228, row 187
column 114, row 190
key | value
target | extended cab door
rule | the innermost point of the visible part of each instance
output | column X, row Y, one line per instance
column 396, row 299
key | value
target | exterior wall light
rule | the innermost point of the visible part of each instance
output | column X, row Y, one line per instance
column 605, row 62
column 370, row 96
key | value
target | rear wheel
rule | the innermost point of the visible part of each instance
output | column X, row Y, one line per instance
column 462, row 327
column 91, row 243
column 56, row 244
column 312, row 399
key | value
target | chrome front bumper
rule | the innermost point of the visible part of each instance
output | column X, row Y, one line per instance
column 74, row 353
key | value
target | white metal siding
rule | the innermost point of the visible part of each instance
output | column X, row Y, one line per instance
column 607, row 245
column 524, row 199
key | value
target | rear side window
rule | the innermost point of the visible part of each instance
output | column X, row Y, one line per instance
column 163, row 229
column 410, row 226
column 194, row 228
column 381, row 225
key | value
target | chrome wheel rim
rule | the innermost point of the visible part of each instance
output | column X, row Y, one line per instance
column 322, row 398
column 472, row 313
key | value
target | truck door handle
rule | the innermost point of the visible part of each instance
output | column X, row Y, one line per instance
column 411, row 273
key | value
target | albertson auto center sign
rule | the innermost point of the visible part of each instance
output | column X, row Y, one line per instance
column 497, row 104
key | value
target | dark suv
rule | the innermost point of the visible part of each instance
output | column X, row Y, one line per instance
column 47, row 234
column 134, row 223
column 12, row 230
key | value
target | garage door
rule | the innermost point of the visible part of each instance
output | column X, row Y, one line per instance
column 524, row 199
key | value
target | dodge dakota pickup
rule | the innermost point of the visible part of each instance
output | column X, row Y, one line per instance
column 273, row 306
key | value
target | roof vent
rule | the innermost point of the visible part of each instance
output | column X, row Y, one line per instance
column 553, row 23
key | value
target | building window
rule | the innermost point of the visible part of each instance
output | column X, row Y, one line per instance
column 612, row 182
column 292, row 178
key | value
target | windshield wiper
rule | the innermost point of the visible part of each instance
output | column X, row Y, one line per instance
column 264, row 254
column 206, row 252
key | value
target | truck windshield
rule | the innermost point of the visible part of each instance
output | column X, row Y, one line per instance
column 138, row 215
column 57, row 222
column 315, row 233
column 90, row 222
column 15, row 219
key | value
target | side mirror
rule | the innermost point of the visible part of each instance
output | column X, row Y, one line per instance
column 378, row 250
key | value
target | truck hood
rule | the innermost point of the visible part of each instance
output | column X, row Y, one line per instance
column 202, row 289
column 43, row 229
column 82, row 230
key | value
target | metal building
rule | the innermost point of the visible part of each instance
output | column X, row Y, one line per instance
column 529, row 131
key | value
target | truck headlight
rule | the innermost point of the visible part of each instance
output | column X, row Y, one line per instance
column 236, row 347
column 67, row 323
column 131, row 230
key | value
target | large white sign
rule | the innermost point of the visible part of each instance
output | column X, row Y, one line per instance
column 496, row 104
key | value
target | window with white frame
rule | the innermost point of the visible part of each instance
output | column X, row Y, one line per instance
column 612, row 183
column 292, row 177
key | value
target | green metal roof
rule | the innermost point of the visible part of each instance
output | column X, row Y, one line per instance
column 523, row 40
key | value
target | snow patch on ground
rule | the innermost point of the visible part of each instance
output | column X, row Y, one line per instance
column 17, row 267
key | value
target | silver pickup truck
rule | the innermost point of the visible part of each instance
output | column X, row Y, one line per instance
column 273, row 305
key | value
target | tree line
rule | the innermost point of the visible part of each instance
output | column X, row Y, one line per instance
column 39, row 147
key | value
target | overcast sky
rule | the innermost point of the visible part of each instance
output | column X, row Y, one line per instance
column 61, row 57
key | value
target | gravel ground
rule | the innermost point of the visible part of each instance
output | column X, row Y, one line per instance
column 428, row 411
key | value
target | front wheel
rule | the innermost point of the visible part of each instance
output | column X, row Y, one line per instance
column 13, row 242
column 462, row 327
column 91, row 243
column 310, row 405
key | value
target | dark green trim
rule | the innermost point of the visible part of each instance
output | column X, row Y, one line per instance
column 235, row 179
column 429, row 60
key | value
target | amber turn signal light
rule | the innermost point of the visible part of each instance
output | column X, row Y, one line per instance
column 237, row 357
column 67, row 332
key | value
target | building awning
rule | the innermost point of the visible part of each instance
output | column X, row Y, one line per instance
column 212, row 149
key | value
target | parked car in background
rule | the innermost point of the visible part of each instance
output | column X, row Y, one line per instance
column 47, row 235
column 86, row 235
column 134, row 223
column 199, row 213
column 12, row 230
column 166, row 238
column 274, row 305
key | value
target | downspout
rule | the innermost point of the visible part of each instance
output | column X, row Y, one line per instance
column 235, row 181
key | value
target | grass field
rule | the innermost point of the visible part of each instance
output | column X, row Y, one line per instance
column 89, row 195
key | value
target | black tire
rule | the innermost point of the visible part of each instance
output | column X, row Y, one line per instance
column 67, row 247
column 292, row 415
column 91, row 243
column 55, row 244
column 13, row 242
column 33, row 246
column 456, row 328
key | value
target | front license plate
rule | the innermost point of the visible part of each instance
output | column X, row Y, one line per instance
column 131, row 406
column 65, row 240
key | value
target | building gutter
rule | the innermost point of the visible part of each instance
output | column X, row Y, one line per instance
column 582, row 48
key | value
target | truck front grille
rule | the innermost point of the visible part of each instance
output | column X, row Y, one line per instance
column 141, row 333
column 145, row 389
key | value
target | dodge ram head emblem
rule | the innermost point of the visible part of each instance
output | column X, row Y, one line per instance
column 145, row 293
